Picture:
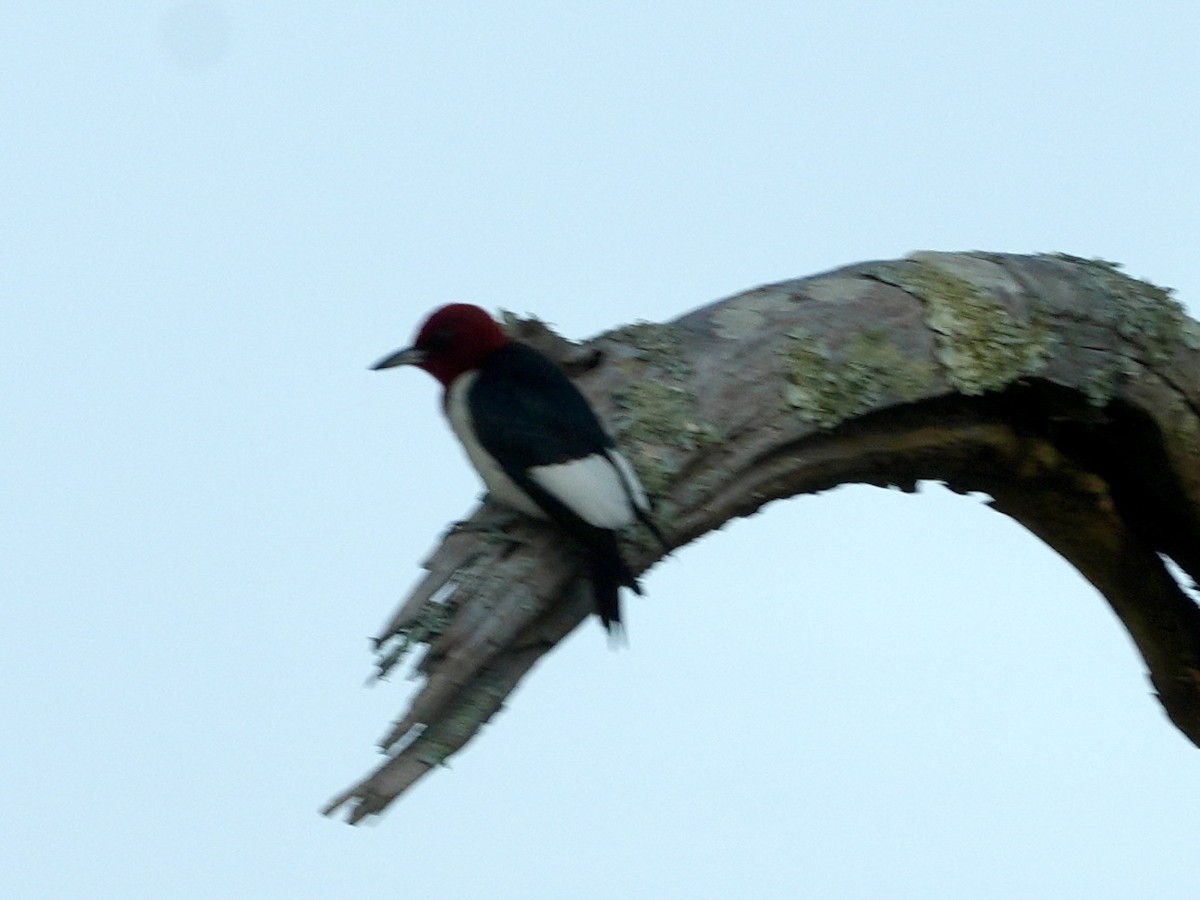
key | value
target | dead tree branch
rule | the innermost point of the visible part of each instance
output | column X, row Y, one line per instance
column 1066, row 390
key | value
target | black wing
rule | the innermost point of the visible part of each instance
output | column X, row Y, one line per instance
column 527, row 413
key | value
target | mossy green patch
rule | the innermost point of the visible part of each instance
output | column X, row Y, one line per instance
column 1190, row 332
column 1146, row 314
column 430, row 623
column 1101, row 385
column 657, row 344
column 1187, row 429
column 655, row 414
column 1104, row 382
column 813, row 386
column 876, row 362
column 481, row 578
column 981, row 345
column 705, row 484
column 828, row 388
column 481, row 701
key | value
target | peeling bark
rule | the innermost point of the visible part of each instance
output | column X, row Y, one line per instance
column 1066, row 390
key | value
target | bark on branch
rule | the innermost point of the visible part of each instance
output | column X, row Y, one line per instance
column 1066, row 390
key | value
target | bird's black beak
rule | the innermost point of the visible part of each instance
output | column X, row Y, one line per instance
column 410, row 356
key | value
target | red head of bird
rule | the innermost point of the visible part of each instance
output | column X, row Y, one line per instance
column 453, row 340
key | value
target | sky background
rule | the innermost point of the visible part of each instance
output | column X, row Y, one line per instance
column 216, row 215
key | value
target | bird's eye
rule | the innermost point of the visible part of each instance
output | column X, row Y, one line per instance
column 437, row 341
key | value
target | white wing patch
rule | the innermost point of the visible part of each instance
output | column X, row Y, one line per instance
column 591, row 487
column 602, row 489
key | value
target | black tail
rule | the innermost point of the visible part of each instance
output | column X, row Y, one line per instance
column 609, row 572
column 609, row 575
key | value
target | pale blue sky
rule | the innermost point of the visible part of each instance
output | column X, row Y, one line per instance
column 217, row 214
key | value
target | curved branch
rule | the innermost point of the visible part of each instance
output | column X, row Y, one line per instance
column 1066, row 390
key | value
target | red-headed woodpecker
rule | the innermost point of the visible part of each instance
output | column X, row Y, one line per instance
column 534, row 440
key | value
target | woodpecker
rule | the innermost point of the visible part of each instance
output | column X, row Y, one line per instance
column 535, row 441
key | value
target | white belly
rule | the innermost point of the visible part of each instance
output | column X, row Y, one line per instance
column 502, row 488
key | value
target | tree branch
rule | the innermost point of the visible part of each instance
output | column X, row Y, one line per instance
column 1066, row 390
